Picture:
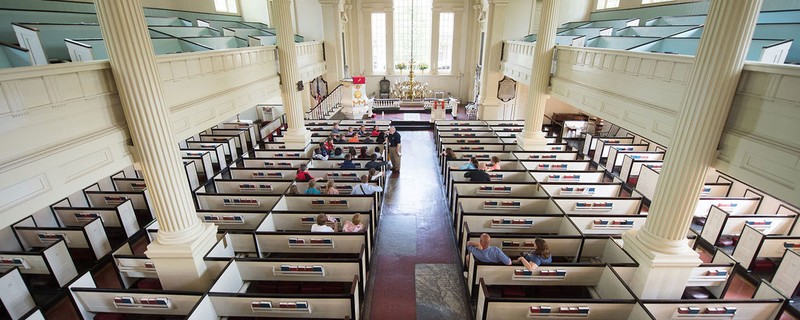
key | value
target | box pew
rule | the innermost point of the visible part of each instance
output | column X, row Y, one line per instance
column 284, row 221
column 87, row 243
column 274, row 187
column 786, row 279
column 636, row 151
column 232, row 244
column 253, row 174
column 368, row 123
column 329, row 245
column 253, row 134
column 489, row 189
column 217, row 148
column 631, row 167
column 510, row 139
column 324, row 291
column 278, row 154
column 338, row 174
column 16, row 301
column 569, row 176
column 597, row 205
column 517, row 207
column 588, row 190
column 556, row 165
column 370, row 147
column 546, row 155
column 648, row 178
column 711, row 280
column 463, row 141
column 337, row 164
column 236, row 201
column 190, row 168
column 202, row 160
column 604, row 147
column 272, row 163
column 240, row 137
column 92, row 301
column 603, row 249
column 129, row 184
column 739, row 205
column 761, row 253
column 765, row 305
column 584, row 292
column 592, row 143
column 720, row 224
column 228, row 144
column 110, row 199
column 345, row 188
column 448, row 166
column 331, row 204
column 216, row 155
column 496, row 176
column 120, row 221
column 233, row 220
column 49, row 266
column 607, row 224
column 564, row 248
column 474, row 147
column 136, row 271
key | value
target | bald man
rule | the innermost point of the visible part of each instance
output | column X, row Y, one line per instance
column 395, row 148
column 483, row 252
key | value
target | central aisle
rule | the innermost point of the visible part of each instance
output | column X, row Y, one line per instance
column 415, row 271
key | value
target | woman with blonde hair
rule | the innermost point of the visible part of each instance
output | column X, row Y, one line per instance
column 354, row 225
column 330, row 187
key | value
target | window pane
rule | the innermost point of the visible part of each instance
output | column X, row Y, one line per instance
column 232, row 8
column 378, row 42
column 421, row 32
column 221, row 5
column 446, row 24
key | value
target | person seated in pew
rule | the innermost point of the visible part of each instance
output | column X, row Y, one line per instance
column 321, row 224
column 375, row 131
column 335, row 129
column 339, row 139
column 319, row 154
column 381, row 138
column 352, row 152
column 377, row 151
column 329, row 144
column 293, row 190
column 354, row 225
column 330, row 187
column 494, row 164
column 449, row 154
column 312, row 187
column 303, row 175
column 374, row 163
column 365, row 187
column 362, row 131
column 539, row 255
column 483, row 252
column 348, row 162
column 374, row 175
column 363, row 153
column 471, row 165
column 355, row 138
column 337, row 154
column 479, row 175
column 350, row 131
column 367, row 139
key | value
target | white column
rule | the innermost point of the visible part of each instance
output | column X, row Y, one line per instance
column 332, row 26
column 538, row 92
column 660, row 247
column 390, row 41
column 489, row 105
column 434, row 65
column 296, row 136
column 182, row 238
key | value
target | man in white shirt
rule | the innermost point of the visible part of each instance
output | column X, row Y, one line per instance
column 320, row 225
column 365, row 187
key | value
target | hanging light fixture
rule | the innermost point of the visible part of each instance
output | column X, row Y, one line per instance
column 411, row 89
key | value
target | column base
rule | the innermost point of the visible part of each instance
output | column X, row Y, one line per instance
column 181, row 266
column 489, row 109
column 532, row 141
column 295, row 139
column 660, row 275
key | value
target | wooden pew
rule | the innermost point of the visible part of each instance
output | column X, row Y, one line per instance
column 92, row 301
column 202, row 161
column 190, row 168
column 496, row 176
column 119, row 221
column 765, row 305
column 272, row 163
column 630, row 168
column 110, row 199
column 273, row 187
column 489, row 189
column 87, row 243
column 569, row 176
column 49, row 266
column 278, row 154
column 599, row 205
column 606, row 145
column 240, row 137
column 761, row 253
column 588, row 190
column 617, row 154
column 590, row 144
column 217, row 147
column 290, row 221
column 711, row 280
column 15, row 299
column 512, row 207
column 233, row 220
column 546, row 155
column 228, row 144
column 232, row 244
column 253, row 134
column 501, row 298
column 236, row 201
column 270, row 174
column 606, row 224
column 556, row 165
column 331, row 204
column 720, row 223
column 786, row 279
column 324, row 291
column 135, row 270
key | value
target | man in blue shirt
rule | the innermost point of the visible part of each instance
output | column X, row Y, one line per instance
column 483, row 252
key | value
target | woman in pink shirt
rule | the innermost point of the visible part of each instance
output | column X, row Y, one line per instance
column 354, row 225
column 494, row 165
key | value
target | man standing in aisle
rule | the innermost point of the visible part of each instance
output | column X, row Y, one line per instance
column 395, row 152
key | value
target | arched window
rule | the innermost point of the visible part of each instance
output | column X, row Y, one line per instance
column 418, row 38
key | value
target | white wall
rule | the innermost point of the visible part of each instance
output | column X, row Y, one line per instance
column 255, row 11
column 518, row 19
column 308, row 18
